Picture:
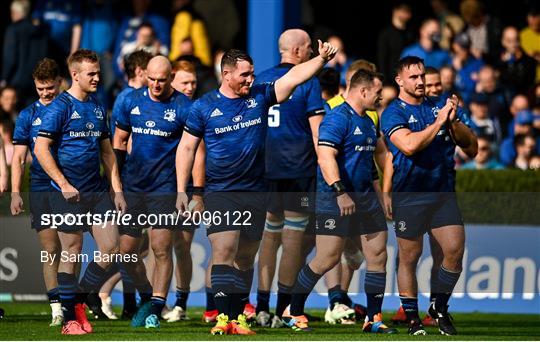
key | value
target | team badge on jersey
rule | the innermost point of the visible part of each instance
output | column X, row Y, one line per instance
column 99, row 113
column 169, row 115
column 251, row 103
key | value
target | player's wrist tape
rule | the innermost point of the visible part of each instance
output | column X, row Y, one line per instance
column 198, row 190
column 338, row 188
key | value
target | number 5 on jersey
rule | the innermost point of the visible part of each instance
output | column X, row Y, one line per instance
column 273, row 116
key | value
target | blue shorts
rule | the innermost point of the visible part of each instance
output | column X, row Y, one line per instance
column 416, row 220
column 360, row 223
column 95, row 203
column 156, row 210
column 39, row 205
column 291, row 194
column 230, row 211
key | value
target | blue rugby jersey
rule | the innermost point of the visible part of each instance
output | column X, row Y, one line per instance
column 156, row 129
column 234, row 133
column 26, row 131
column 289, row 144
column 118, row 106
column 77, row 128
column 427, row 170
column 355, row 138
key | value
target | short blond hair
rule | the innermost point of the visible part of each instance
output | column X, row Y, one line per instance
column 186, row 66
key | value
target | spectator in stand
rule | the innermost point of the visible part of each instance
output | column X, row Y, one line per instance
column 63, row 21
column 341, row 62
column 222, row 20
column 448, row 80
column 329, row 79
column 530, row 37
column 484, row 159
column 146, row 41
column 525, row 146
column 24, row 45
column 8, row 103
column 188, row 25
column 481, row 122
column 516, row 67
column 523, row 125
column 535, row 162
column 98, row 32
column 466, row 65
column 393, row 39
column 519, row 103
column 427, row 47
column 487, row 84
column 536, row 114
column 484, row 30
column 451, row 23
column 128, row 30
column 388, row 94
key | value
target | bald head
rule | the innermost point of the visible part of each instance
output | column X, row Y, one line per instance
column 159, row 74
column 294, row 46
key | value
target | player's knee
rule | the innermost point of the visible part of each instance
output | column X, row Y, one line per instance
column 162, row 254
column 352, row 258
column 325, row 263
column 410, row 256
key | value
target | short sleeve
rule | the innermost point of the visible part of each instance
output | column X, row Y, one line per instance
column 105, row 129
column 392, row 120
column 333, row 130
column 270, row 94
column 121, row 113
column 21, row 135
column 463, row 116
column 184, row 106
column 315, row 104
column 195, row 123
column 54, row 119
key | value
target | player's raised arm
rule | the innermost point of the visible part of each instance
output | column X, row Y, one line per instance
column 300, row 73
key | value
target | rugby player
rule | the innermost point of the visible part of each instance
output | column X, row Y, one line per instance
column 47, row 82
column 346, row 205
column 154, row 118
column 417, row 129
column 72, row 141
column 433, row 88
column 290, row 169
column 233, row 122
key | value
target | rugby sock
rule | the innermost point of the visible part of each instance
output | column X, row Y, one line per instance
column 433, row 286
column 242, row 285
column 374, row 285
column 128, row 289
column 67, row 285
column 145, row 291
column 158, row 303
column 94, row 277
column 222, row 278
column 54, row 295
column 283, row 298
column 410, row 306
column 210, row 304
column 263, row 301
column 334, row 296
column 445, row 285
column 345, row 299
column 181, row 298
column 305, row 282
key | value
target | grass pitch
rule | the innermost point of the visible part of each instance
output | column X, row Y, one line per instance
column 24, row 321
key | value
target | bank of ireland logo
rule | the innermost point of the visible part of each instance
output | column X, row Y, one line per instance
column 251, row 103
column 330, row 224
column 169, row 115
column 369, row 140
column 402, row 226
column 304, row 201
column 150, row 124
column 90, row 125
column 99, row 113
column 237, row 118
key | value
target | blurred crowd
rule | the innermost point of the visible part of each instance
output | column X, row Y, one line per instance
column 495, row 70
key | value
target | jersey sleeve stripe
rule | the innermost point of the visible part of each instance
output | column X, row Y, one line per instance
column 122, row 127
column 328, row 143
column 47, row 134
column 318, row 111
column 23, row 142
column 193, row 132
column 394, row 129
